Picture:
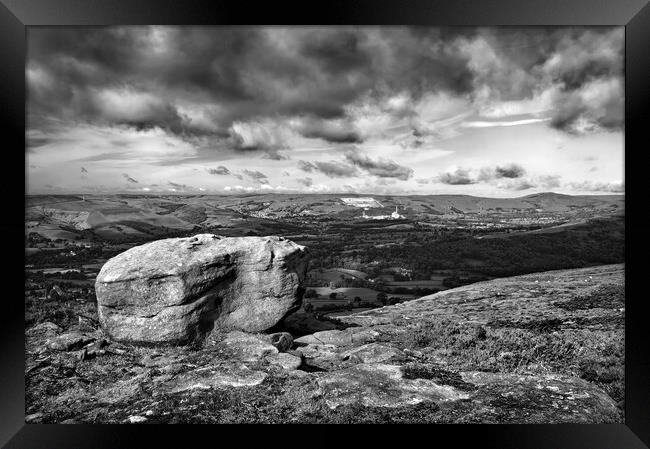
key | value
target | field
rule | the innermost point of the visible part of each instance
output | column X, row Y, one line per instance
column 345, row 294
column 444, row 240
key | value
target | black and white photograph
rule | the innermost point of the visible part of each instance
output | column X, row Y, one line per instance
column 324, row 224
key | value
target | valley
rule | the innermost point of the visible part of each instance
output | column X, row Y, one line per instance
column 439, row 241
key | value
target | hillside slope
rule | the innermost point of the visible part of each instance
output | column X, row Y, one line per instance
column 539, row 348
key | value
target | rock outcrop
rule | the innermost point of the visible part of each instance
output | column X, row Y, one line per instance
column 551, row 351
column 175, row 291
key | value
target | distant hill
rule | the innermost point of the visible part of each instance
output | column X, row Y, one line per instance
column 117, row 216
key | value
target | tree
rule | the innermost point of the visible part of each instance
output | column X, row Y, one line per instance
column 382, row 297
column 311, row 293
column 333, row 295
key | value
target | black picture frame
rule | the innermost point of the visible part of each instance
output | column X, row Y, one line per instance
column 16, row 15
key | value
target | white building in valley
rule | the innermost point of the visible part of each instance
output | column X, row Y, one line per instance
column 394, row 216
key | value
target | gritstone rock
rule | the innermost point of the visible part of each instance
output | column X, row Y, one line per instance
column 175, row 291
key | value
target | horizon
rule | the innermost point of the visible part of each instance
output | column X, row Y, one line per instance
column 315, row 193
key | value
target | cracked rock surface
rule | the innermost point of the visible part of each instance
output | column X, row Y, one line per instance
column 175, row 291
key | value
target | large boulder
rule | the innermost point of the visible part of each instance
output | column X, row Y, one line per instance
column 175, row 291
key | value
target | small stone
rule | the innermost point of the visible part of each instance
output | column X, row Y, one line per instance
column 371, row 353
column 505, row 355
column 69, row 341
column 281, row 340
column 218, row 376
column 339, row 337
column 246, row 347
column 136, row 419
column 45, row 329
column 69, row 421
column 34, row 418
column 284, row 360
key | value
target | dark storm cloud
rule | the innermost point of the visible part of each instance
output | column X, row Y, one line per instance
column 332, row 169
column 382, row 168
column 129, row 179
column 220, row 170
column 253, row 71
column 202, row 81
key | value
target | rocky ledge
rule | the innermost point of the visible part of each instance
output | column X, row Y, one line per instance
column 539, row 348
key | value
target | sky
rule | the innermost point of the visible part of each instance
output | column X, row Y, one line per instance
column 498, row 112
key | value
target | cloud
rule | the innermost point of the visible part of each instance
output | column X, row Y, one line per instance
column 595, row 106
column 593, row 186
column 510, row 171
column 307, row 166
column 175, row 97
column 239, row 189
column 228, row 83
column 506, row 171
column 516, row 184
column 383, row 168
column 129, row 106
column 256, row 175
column 307, row 182
column 332, row 169
column 548, row 181
column 129, row 179
column 334, row 131
column 220, row 170
column 176, row 187
column 275, row 155
column 486, row 124
column 458, row 177
column 252, row 136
